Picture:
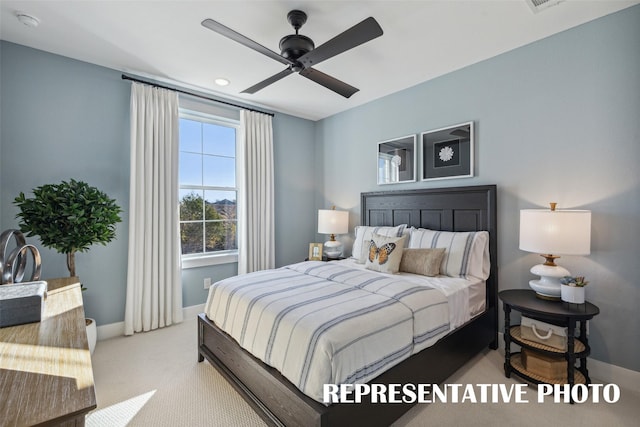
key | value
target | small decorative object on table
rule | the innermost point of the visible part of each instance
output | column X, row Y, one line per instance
column 315, row 252
column 572, row 289
column 20, row 302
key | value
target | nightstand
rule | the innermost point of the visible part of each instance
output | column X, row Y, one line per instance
column 572, row 316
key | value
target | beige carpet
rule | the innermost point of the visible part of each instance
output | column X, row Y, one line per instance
column 153, row 379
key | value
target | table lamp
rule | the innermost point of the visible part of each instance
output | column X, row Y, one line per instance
column 332, row 222
column 551, row 232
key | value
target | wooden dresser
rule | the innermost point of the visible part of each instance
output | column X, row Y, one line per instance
column 46, row 376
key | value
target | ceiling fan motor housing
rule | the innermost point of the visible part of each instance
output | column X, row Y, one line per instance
column 295, row 45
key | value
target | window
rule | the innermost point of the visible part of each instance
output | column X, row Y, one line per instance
column 208, row 186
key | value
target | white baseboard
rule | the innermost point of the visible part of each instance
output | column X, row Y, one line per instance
column 113, row 330
column 192, row 311
column 612, row 374
column 604, row 373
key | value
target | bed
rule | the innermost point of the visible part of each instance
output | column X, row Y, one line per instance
column 280, row 402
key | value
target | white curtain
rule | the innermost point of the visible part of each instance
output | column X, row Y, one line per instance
column 154, row 289
column 256, row 231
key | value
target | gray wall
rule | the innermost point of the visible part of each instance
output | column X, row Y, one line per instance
column 557, row 120
column 62, row 119
column 66, row 119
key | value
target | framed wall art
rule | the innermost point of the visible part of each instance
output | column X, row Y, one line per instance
column 397, row 160
column 448, row 152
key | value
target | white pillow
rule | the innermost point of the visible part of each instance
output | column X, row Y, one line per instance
column 467, row 253
column 364, row 234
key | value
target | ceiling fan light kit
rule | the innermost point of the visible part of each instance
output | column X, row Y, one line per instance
column 299, row 53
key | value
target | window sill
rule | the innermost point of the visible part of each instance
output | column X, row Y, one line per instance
column 208, row 260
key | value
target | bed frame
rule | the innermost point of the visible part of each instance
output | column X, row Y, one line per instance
column 280, row 403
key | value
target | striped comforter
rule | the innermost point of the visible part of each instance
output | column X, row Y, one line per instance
column 325, row 323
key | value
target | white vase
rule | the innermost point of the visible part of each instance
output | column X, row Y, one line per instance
column 92, row 334
column 572, row 294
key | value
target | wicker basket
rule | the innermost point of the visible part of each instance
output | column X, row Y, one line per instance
column 544, row 333
column 551, row 367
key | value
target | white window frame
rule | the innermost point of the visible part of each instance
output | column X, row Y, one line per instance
column 218, row 257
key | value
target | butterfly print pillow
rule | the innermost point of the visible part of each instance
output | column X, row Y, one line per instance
column 385, row 253
column 382, row 253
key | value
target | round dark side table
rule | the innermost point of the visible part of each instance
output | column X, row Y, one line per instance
column 572, row 316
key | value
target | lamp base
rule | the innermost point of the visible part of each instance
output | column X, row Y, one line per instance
column 548, row 286
column 545, row 292
column 332, row 249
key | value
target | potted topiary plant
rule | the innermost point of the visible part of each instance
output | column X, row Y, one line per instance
column 69, row 217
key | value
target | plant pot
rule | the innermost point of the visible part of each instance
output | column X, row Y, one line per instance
column 92, row 334
column 572, row 294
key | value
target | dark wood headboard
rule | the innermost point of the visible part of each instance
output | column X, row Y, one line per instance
column 449, row 209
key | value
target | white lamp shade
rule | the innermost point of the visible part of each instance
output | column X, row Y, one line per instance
column 333, row 222
column 558, row 232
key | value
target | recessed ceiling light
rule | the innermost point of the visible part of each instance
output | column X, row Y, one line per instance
column 222, row 81
column 28, row 20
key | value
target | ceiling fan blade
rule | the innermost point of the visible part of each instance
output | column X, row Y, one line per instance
column 267, row 82
column 233, row 35
column 339, row 87
column 360, row 33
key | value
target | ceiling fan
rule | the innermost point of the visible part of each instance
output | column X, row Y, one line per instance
column 299, row 53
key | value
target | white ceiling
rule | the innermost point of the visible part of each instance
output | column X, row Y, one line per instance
column 164, row 39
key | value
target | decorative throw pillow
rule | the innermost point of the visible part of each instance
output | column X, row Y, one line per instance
column 364, row 235
column 466, row 253
column 384, row 253
column 422, row 261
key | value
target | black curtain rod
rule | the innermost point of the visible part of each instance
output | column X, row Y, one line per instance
column 133, row 79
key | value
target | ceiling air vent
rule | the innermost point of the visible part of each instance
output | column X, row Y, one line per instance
column 538, row 5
